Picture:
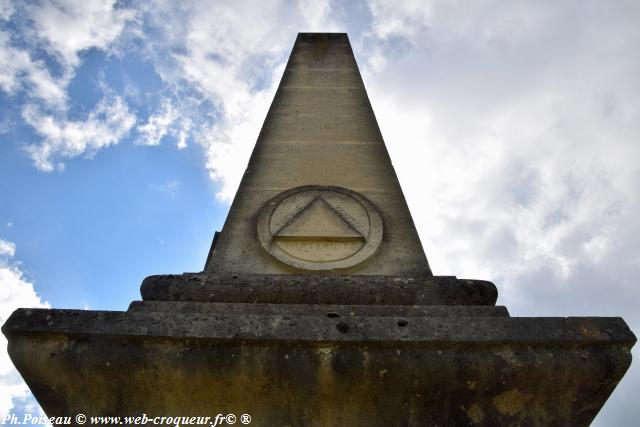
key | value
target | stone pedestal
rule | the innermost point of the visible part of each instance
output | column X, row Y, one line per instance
column 331, row 351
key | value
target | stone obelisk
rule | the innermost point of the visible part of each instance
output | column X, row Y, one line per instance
column 317, row 305
column 320, row 132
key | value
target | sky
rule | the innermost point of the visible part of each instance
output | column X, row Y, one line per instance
column 514, row 128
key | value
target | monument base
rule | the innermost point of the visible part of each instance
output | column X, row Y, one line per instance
column 320, row 364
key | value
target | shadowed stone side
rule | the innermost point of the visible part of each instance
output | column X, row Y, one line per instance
column 295, row 289
column 308, row 370
column 329, row 310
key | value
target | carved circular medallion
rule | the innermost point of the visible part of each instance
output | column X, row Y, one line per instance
column 320, row 228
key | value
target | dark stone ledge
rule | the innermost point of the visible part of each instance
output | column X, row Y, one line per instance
column 320, row 328
column 331, row 311
column 309, row 289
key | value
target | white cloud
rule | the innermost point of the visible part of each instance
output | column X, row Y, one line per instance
column 218, row 50
column 317, row 15
column 69, row 27
column 15, row 292
column 63, row 139
column 6, row 9
column 513, row 129
column 549, row 142
column 182, row 133
column 61, row 30
column 168, row 121
column 228, row 144
column 19, row 71
column 233, row 55
column 158, row 125
column 7, row 248
column 399, row 18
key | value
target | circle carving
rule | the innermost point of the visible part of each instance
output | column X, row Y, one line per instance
column 320, row 228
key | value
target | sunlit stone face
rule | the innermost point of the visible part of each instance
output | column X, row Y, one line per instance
column 320, row 228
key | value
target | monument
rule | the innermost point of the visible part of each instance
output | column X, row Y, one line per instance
column 317, row 305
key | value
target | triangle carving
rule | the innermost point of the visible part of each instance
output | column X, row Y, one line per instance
column 318, row 220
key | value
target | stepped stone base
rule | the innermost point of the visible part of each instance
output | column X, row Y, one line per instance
column 329, row 289
column 320, row 364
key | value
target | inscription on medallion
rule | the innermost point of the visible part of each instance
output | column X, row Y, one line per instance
column 320, row 228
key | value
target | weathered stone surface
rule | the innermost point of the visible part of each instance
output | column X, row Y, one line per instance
column 331, row 311
column 301, row 370
column 309, row 327
column 299, row 289
column 320, row 130
column 320, row 228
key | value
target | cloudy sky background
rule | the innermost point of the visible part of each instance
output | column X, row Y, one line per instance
column 514, row 128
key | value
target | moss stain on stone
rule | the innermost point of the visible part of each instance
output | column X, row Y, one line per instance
column 327, row 384
column 510, row 402
column 475, row 414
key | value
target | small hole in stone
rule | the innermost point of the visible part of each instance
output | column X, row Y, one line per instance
column 402, row 322
column 333, row 315
column 235, row 276
column 343, row 327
